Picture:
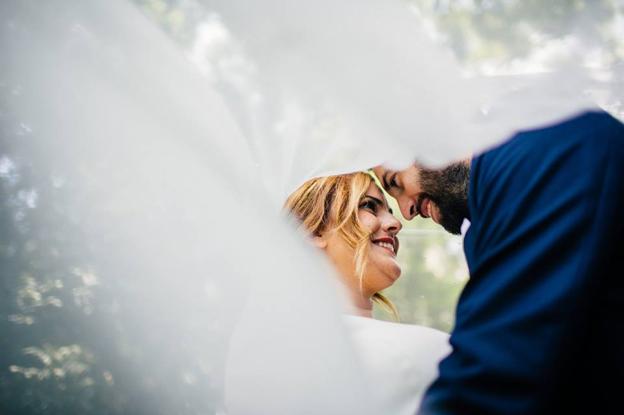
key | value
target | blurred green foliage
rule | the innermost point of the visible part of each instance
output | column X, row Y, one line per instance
column 433, row 274
column 178, row 18
column 47, row 364
column 479, row 30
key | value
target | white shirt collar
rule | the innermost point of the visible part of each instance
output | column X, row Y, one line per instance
column 464, row 227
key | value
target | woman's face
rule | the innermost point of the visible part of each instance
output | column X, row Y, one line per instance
column 382, row 269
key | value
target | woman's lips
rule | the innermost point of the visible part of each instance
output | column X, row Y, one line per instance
column 387, row 243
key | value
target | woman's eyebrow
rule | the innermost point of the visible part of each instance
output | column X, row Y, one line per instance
column 377, row 201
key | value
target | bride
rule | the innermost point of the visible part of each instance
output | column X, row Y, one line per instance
column 348, row 218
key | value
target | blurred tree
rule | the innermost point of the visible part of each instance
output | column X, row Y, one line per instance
column 481, row 31
column 48, row 287
column 179, row 18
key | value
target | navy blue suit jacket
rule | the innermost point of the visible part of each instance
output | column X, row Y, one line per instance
column 540, row 323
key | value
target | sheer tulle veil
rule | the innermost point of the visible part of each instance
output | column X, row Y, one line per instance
column 163, row 168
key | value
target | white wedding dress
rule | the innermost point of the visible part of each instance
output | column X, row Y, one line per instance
column 401, row 359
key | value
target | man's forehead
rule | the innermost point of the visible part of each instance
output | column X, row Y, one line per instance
column 381, row 169
column 379, row 172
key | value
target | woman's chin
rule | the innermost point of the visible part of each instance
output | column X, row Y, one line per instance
column 395, row 274
column 392, row 269
column 386, row 275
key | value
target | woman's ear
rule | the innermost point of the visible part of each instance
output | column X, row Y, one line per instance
column 319, row 241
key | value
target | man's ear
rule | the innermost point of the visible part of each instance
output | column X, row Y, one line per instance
column 319, row 241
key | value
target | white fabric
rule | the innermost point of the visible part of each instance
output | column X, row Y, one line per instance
column 400, row 359
column 178, row 174
column 330, row 87
column 464, row 227
column 171, row 208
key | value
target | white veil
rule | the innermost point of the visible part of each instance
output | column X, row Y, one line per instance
column 141, row 182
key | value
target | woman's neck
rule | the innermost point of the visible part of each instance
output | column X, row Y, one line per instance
column 362, row 306
column 358, row 304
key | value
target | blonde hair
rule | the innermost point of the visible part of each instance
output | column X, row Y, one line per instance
column 332, row 202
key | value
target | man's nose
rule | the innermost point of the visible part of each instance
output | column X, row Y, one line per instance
column 408, row 208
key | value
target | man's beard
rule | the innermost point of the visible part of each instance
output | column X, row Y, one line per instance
column 448, row 189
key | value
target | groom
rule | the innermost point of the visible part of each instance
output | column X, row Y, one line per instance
column 540, row 323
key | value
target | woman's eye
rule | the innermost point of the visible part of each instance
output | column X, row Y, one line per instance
column 393, row 182
column 368, row 204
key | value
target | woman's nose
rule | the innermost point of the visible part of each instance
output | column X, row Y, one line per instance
column 391, row 224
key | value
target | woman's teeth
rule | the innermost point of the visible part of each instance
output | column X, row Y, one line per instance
column 386, row 245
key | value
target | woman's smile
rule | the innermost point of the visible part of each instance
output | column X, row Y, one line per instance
column 387, row 243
